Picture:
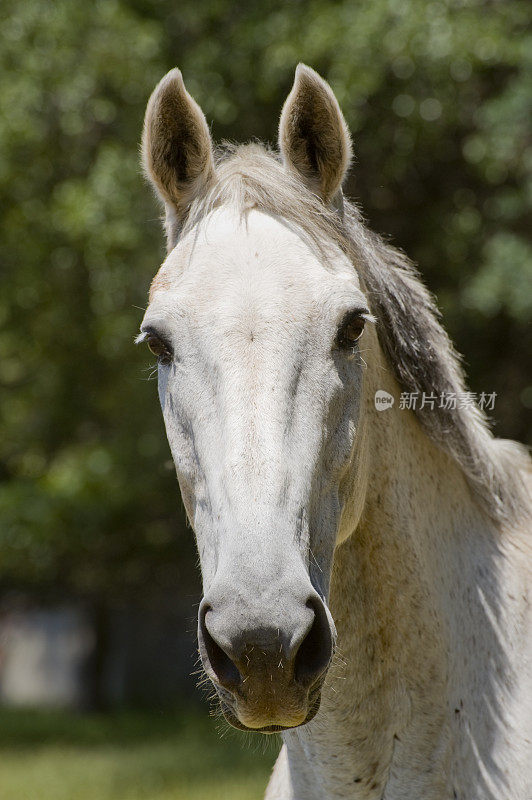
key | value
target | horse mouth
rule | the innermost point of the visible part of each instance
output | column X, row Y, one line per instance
column 232, row 719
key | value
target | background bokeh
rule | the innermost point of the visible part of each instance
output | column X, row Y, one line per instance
column 438, row 97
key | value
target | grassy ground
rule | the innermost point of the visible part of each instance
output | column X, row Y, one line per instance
column 129, row 756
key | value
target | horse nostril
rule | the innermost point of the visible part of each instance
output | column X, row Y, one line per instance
column 298, row 652
column 315, row 651
column 216, row 662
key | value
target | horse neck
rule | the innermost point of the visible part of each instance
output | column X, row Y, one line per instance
column 419, row 528
column 388, row 582
column 409, row 593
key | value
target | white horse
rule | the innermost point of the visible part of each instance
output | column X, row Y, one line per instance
column 327, row 517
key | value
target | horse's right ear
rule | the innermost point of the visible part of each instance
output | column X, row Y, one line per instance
column 177, row 152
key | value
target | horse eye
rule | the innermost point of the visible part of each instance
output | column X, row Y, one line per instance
column 350, row 330
column 159, row 348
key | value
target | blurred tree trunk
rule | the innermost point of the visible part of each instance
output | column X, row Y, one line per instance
column 98, row 698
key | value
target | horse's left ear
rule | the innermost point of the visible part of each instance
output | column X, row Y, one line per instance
column 313, row 135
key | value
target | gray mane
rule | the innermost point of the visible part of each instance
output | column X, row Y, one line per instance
column 417, row 348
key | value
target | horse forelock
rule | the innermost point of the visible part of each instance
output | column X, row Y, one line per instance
column 416, row 346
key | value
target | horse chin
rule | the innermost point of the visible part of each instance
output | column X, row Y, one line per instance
column 232, row 719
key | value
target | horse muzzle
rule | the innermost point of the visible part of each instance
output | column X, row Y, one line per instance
column 267, row 667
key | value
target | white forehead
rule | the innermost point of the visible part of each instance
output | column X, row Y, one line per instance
column 255, row 256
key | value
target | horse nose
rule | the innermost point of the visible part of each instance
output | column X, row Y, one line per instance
column 298, row 646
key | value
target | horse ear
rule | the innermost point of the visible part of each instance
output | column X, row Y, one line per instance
column 313, row 135
column 177, row 150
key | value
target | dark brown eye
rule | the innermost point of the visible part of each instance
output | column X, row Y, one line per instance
column 350, row 330
column 159, row 348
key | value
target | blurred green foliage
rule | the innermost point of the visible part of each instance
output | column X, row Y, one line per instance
column 438, row 96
